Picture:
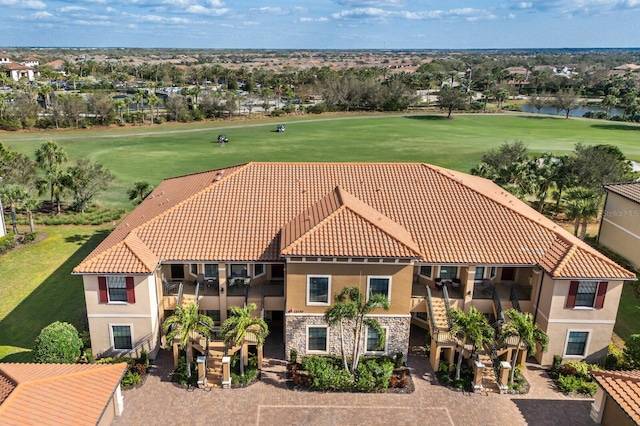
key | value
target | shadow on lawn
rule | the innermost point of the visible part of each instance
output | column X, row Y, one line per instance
column 427, row 117
column 616, row 127
column 60, row 297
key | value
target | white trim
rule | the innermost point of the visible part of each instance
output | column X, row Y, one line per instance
column 455, row 266
column 384, row 277
column 197, row 269
column 111, row 325
column 264, row 270
column 580, row 321
column 386, row 342
column 595, row 296
column 326, row 327
column 302, row 314
column 153, row 300
column 341, row 262
column 484, row 273
column 621, row 228
column 586, row 345
column 126, row 290
column 118, row 315
column 328, row 302
column 246, row 264
column 204, row 270
column 426, row 276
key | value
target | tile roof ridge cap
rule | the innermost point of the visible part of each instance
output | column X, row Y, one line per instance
column 134, row 236
column 565, row 259
column 100, row 255
column 347, row 202
column 314, row 228
column 617, row 375
column 7, row 375
column 239, row 165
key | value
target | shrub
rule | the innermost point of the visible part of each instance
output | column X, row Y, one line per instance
column 569, row 384
column 325, row 375
column 7, row 242
column 250, row 373
column 399, row 360
column 144, row 357
column 443, row 374
column 615, row 359
column 632, row 351
column 57, row 343
column 130, row 379
column 317, row 108
column 293, row 356
column 373, row 374
column 555, row 365
column 180, row 373
column 29, row 237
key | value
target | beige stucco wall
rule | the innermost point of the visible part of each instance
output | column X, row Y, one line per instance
column 345, row 275
column 141, row 315
column 556, row 320
column 613, row 414
column 620, row 212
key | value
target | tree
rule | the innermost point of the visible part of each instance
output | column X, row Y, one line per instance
column 17, row 168
column 566, row 101
column 241, row 322
column 57, row 343
column 595, row 165
column 546, row 171
column 538, row 102
column 152, row 100
column 177, row 108
column 451, row 98
column 101, row 104
column 581, row 205
column 184, row 324
column 632, row 351
column 521, row 325
column 49, row 157
column 30, row 204
column 472, row 327
column 351, row 309
column 11, row 196
column 86, row 179
column 139, row 191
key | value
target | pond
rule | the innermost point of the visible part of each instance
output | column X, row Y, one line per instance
column 578, row 112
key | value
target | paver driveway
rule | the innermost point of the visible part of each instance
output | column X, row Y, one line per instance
column 270, row 402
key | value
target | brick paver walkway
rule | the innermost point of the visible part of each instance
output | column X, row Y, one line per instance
column 270, row 402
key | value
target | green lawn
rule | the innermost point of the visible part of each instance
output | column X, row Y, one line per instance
column 37, row 288
column 155, row 152
column 628, row 321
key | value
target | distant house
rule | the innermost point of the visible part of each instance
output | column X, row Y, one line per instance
column 617, row 401
column 15, row 70
column 55, row 394
column 30, row 62
column 620, row 224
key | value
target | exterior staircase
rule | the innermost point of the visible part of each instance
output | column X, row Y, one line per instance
column 214, row 366
column 440, row 313
column 489, row 379
column 187, row 299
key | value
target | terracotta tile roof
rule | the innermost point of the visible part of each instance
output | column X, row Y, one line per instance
column 630, row 190
column 64, row 394
column 241, row 213
column 340, row 223
column 6, row 387
column 624, row 388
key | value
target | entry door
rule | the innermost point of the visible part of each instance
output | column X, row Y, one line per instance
column 277, row 271
column 508, row 274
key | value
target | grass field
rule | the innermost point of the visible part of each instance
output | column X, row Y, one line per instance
column 152, row 153
column 37, row 288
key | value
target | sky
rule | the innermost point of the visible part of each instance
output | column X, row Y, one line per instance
column 323, row 24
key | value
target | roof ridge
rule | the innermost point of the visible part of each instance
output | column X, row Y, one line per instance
column 311, row 230
column 617, row 374
column 164, row 213
column 240, row 165
column 546, row 223
column 138, row 240
column 95, row 367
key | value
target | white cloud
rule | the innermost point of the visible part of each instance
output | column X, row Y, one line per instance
column 364, row 3
column 313, row 20
column 575, row 6
column 369, row 13
column 201, row 10
column 72, row 9
column 91, row 23
column 27, row 4
column 361, row 13
column 42, row 15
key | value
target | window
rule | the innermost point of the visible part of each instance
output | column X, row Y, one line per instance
column 316, row 339
column 258, row 269
column 493, row 272
column 194, row 268
column 239, row 270
column 577, row 343
column 372, row 341
column 379, row 285
column 121, row 336
column 479, row 273
column 587, row 294
column 508, row 274
column 318, row 290
column 211, row 270
column 448, row 272
column 117, row 289
column 177, row 271
column 214, row 315
column 426, row 271
column 422, row 316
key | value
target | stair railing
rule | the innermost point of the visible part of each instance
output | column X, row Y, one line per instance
column 197, row 292
column 498, row 307
column 180, row 289
column 432, row 319
column 447, row 304
column 514, row 299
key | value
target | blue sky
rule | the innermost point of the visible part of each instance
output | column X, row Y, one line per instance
column 328, row 24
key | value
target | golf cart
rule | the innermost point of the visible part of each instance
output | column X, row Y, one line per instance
column 222, row 139
column 280, row 128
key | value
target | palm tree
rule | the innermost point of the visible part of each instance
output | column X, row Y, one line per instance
column 581, row 205
column 240, row 324
column 12, row 195
column 521, row 324
column 184, row 324
column 352, row 307
column 30, row 204
column 152, row 100
column 139, row 191
column 48, row 158
column 472, row 327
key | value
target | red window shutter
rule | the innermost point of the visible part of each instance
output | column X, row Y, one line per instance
column 103, row 297
column 573, row 292
column 131, row 292
column 602, row 291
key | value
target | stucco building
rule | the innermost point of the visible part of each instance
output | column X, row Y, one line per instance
column 290, row 236
column 620, row 225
